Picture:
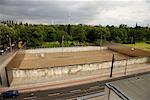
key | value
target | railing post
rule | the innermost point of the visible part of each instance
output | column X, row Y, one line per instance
column 126, row 68
column 112, row 65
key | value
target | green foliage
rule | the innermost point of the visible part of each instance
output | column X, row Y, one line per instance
column 5, row 33
column 79, row 34
column 70, row 35
column 50, row 32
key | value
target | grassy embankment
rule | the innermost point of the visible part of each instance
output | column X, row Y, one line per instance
column 141, row 45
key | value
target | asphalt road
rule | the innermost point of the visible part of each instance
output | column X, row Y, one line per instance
column 63, row 93
column 69, row 92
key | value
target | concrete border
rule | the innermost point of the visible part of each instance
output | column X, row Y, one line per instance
column 6, row 80
column 65, row 49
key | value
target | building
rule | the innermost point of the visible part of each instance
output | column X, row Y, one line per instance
column 135, row 88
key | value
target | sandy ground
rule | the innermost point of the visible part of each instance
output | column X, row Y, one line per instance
column 61, row 59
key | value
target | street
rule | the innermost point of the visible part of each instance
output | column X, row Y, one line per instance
column 70, row 92
column 63, row 93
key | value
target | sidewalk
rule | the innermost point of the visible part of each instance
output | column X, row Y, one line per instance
column 26, row 85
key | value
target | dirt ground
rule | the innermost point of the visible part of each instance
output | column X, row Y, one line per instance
column 130, row 51
column 28, row 61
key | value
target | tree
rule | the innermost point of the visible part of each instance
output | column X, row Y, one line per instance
column 35, row 35
column 69, row 29
column 50, row 32
column 79, row 35
column 5, row 31
column 92, row 35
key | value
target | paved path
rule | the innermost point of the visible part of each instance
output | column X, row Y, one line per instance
column 64, row 93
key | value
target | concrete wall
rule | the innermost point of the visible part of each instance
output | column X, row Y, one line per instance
column 138, row 60
column 10, row 76
column 72, row 69
column 65, row 49
column 2, row 68
column 3, row 77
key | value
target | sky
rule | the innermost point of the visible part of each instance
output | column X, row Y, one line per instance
column 91, row 12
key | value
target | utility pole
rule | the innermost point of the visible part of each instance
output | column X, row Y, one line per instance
column 62, row 42
column 101, row 40
column 112, row 65
column 131, row 40
column 69, row 19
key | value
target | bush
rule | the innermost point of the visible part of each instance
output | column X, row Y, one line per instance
column 51, row 44
column 67, row 43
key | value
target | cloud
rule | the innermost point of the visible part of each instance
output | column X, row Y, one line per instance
column 77, row 11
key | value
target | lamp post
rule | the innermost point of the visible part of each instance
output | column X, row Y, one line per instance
column 9, row 43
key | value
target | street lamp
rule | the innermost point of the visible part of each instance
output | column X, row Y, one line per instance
column 9, row 38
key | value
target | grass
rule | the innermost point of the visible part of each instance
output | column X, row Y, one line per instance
column 141, row 45
column 65, row 44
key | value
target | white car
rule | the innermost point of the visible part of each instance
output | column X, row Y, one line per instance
column 1, row 51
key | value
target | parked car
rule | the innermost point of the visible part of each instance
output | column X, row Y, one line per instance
column 1, row 50
column 9, row 94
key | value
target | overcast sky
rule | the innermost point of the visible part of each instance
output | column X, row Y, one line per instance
column 112, row 12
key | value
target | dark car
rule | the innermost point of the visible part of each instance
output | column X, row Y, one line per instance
column 9, row 94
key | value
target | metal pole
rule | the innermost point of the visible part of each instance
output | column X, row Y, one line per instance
column 108, row 94
column 10, row 44
column 112, row 65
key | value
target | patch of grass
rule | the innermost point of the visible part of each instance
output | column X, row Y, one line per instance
column 141, row 45
column 65, row 44
column 51, row 44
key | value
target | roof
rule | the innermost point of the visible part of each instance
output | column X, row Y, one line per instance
column 135, row 88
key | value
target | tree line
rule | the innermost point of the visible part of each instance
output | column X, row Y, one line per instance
column 37, row 35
